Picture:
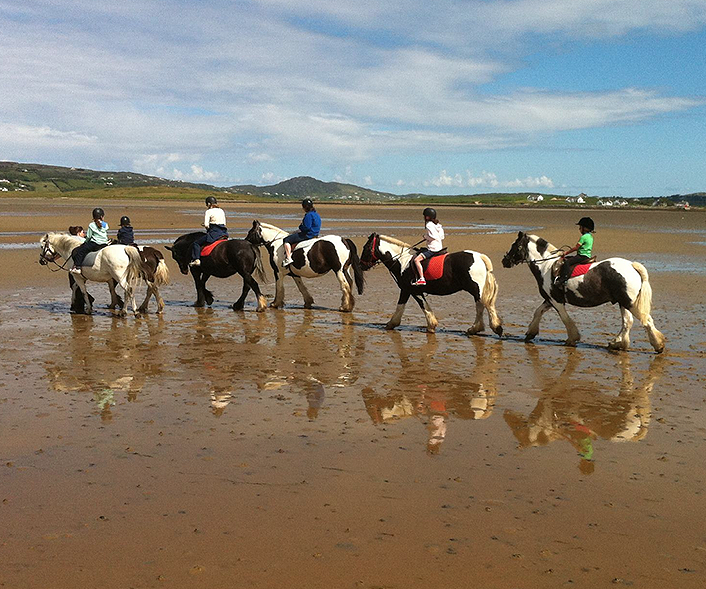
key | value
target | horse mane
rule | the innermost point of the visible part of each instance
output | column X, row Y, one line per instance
column 64, row 239
column 394, row 241
column 269, row 226
column 535, row 238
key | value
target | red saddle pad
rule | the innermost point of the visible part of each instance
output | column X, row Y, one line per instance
column 435, row 268
column 580, row 269
column 207, row 249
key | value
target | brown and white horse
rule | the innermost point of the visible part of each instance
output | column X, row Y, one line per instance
column 463, row 271
column 311, row 259
column 615, row 280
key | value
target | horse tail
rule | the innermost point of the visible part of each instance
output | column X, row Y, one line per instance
column 490, row 288
column 259, row 268
column 357, row 268
column 134, row 272
column 161, row 273
column 643, row 303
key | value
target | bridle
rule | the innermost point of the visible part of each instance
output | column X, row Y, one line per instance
column 44, row 258
column 375, row 260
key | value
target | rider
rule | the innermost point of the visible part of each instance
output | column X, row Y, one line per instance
column 126, row 235
column 308, row 229
column 96, row 238
column 584, row 249
column 215, row 223
column 434, row 235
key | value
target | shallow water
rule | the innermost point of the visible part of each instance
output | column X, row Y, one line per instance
column 311, row 448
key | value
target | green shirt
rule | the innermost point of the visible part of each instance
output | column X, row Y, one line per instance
column 97, row 234
column 586, row 243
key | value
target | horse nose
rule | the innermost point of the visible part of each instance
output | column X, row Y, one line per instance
column 506, row 262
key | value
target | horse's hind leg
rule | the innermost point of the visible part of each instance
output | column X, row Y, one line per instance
column 150, row 291
column 261, row 300
column 308, row 299
column 533, row 328
column 622, row 340
column 655, row 336
column 478, row 324
column 347, row 302
column 115, row 301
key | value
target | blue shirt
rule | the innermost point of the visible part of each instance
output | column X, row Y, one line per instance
column 311, row 225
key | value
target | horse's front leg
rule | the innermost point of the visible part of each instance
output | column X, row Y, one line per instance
column 622, row 340
column 347, row 302
column 278, row 302
column 533, row 328
column 396, row 318
column 87, row 299
column 572, row 331
column 432, row 322
column 308, row 299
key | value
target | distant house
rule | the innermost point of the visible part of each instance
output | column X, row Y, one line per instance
column 605, row 203
column 682, row 205
column 621, row 203
column 535, row 198
column 4, row 181
column 575, row 199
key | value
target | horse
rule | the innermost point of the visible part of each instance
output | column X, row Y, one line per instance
column 232, row 256
column 113, row 264
column 156, row 274
column 311, row 259
column 615, row 280
column 467, row 271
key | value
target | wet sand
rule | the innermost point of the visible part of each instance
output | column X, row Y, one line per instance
column 311, row 448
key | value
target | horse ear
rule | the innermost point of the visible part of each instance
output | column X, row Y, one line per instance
column 255, row 223
column 168, row 247
column 520, row 234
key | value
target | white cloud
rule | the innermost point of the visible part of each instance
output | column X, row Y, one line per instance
column 195, row 174
column 259, row 157
column 368, row 181
column 486, row 180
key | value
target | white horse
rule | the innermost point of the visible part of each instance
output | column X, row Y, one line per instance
column 311, row 259
column 615, row 280
column 114, row 264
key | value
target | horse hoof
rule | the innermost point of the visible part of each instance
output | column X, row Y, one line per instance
column 237, row 307
column 390, row 326
column 309, row 305
column 570, row 343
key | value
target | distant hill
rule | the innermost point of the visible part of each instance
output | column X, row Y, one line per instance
column 47, row 180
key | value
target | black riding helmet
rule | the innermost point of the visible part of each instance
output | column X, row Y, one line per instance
column 307, row 204
column 124, row 221
column 429, row 212
column 211, row 200
column 586, row 222
column 98, row 213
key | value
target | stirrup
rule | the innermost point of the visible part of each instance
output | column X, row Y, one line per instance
column 419, row 282
column 194, row 263
column 286, row 262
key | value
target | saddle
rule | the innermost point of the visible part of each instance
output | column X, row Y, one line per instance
column 207, row 249
column 435, row 265
column 578, row 270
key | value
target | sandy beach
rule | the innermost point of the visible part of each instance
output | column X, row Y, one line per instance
column 313, row 449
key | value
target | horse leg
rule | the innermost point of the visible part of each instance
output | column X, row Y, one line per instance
column 622, row 340
column 572, row 331
column 478, row 324
column 159, row 299
column 308, row 299
column 396, row 318
column 533, row 328
column 115, row 301
column 655, row 336
column 261, row 300
column 347, row 302
column 87, row 299
column 129, row 297
column 278, row 303
column 150, row 290
column 432, row 322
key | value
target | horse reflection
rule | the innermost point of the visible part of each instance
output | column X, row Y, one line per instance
column 580, row 411
column 424, row 390
column 106, row 362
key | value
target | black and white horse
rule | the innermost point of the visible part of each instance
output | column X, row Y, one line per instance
column 463, row 271
column 233, row 256
column 615, row 280
column 311, row 259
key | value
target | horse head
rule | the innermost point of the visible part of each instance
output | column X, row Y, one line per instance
column 254, row 236
column 181, row 250
column 48, row 253
column 518, row 253
column 371, row 255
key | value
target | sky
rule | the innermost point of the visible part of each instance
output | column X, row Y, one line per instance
column 605, row 97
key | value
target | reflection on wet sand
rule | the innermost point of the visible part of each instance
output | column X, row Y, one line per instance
column 423, row 389
column 106, row 360
column 578, row 410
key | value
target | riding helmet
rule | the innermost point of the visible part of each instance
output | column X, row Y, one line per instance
column 586, row 222
column 98, row 213
column 211, row 200
column 430, row 213
column 307, row 204
column 124, row 221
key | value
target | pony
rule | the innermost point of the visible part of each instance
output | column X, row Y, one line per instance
column 311, row 259
column 615, row 280
column 113, row 264
column 468, row 270
column 156, row 274
column 232, row 256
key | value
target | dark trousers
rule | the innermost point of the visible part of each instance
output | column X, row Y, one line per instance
column 80, row 253
column 295, row 238
column 569, row 264
column 213, row 234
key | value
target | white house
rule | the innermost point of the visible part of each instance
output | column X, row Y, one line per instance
column 535, row 198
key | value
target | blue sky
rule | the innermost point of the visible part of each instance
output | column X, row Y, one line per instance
column 454, row 96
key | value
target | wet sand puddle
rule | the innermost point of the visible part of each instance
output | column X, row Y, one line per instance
column 311, row 448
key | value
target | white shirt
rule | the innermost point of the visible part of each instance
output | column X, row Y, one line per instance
column 216, row 216
column 434, row 236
